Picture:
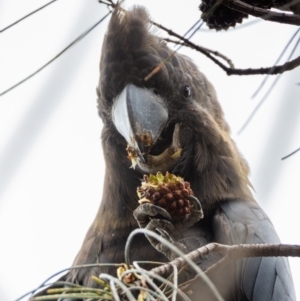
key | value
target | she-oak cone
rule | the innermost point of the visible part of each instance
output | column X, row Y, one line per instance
column 167, row 191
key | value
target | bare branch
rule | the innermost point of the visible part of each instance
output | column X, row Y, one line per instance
column 216, row 53
column 265, row 14
column 232, row 252
column 109, row 3
column 62, row 288
column 233, row 71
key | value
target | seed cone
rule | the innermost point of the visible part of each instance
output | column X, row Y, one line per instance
column 220, row 18
column 167, row 191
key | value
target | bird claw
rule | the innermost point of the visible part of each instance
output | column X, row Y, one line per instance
column 145, row 213
column 166, row 250
column 192, row 218
column 144, row 216
column 162, row 227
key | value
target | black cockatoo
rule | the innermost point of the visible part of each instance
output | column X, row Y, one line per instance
column 173, row 122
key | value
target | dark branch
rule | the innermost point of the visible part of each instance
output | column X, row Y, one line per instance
column 233, row 71
column 216, row 53
column 265, row 14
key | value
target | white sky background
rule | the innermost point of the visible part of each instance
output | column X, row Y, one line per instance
column 51, row 165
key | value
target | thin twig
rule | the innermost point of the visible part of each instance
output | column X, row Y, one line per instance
column 292, row 153
column 159, row 66
column 30, row 14
column 216, row 53
column 246, row 123
column 222, row 56
column 109, row 3
column 233, row 71
column 80, row 37
column 277, row 61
